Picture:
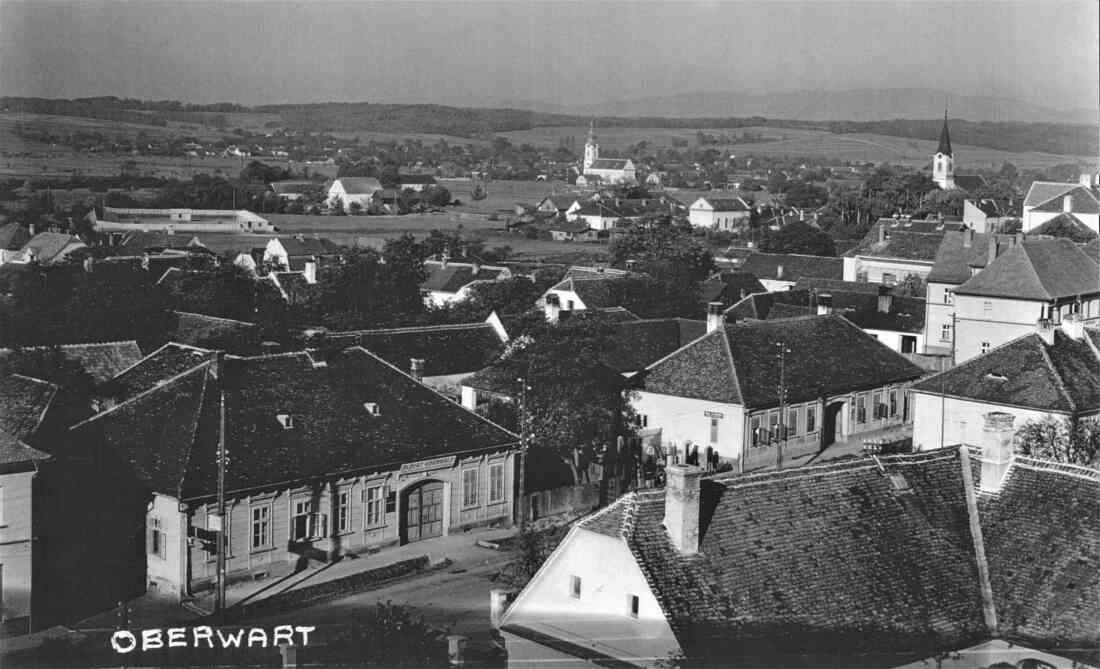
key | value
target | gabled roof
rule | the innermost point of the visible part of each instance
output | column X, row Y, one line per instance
column 446, row 349
column 1037, row 269
column 48, row 245
column 818, row 560
column 954, row 258
column 168, row 434
column 101, row 360
column 453, row 276
column 728, row 287
column 1026, row 372
column 308, row 246
column 737, row 364
column 359, row 185
column 905, row 314
column 596, row 291
column 13, row 237
column 1082, row 201
column 24, row 402
column 291, row 187
column 990, row 206
column 213, row 332
column 1068, row 226
column 14, row 452
column 900, row 243
column 724, row 204
column 164, row 363
column 638, row 343
column 944, row 146
column 609, row 164
column 794, row 266
column 139, row 241
column 1047, row 196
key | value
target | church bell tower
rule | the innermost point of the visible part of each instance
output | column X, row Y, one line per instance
column 943, row 163
column 591, row 148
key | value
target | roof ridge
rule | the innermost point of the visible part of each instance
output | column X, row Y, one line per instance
column 41, row 347
column 725, row 339
column 194, row 432
column 1066, row 468
column 268, row 356
column 140, row 395
column 35, row 379
column 413, row 328
column 1061, row 383
column 216, row 318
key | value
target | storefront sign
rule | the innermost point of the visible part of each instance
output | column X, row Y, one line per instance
column 714, row 414
column 426, row 465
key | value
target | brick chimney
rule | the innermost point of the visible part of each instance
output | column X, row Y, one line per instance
column 553, row 308
column 992, row 255
column 416, row 368
column 682, row 499
column 997, row 449
column 309, row 271
column 715, row 318
column 1067, row 203
column 1074, row 327
column 779, row 271
column 1044, row 327
column 885, row 299
column 881, row 232
column 968, row 238
column 824, row 304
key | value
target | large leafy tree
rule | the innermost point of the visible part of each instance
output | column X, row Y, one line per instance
column 798, row 237
column 1075, row 442
column 664, row 248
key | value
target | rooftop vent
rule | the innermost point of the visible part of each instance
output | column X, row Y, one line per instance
column 286, row 421
column 372, row 408
column 996, row 377
column 899, row 483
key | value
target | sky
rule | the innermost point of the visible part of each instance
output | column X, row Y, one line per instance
column 568, row 53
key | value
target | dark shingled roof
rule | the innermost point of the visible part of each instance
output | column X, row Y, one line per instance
column 455, row 275
column 642, row 342
column 213, row 332
column 815, row 559
column 169, row 433
column 726, row 203
column 954, row 259
column 13, row 237
column 1082, row 201
column 728, row 287
column 944, row 146
column 900, row 244
column 101, row 360
column 445, row 349
column 1037, row 269
column 359, row 185
column 906, row 314
column 23, row 404
column 163, row 364
column 1026, row 372
column 597, row 291
column 309, row 246
column 13, row 452
column 737, row 364
column 1045, row 191
column 1068, row 226
column 795, row 266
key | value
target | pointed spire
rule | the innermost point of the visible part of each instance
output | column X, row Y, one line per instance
column 945, row 137
column 592, row 131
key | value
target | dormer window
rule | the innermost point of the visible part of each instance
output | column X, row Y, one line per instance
column 285, row 420
column 372, row 408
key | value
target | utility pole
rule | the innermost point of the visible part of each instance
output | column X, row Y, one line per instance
column 522, row 452
column 781, row 351
column 219, row 607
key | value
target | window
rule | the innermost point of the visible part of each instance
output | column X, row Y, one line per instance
column 343, row 512
column 948, row 296
column 305, row 524
column 374, row 506
column 877, row 406
column 811, row 419
column 632, row 604
column 261, row 527
column 987, row 307
column 773, row 426
column 945, row 332
column 985, row 347
column 754, row 430
column 156, row 537
column 893, row 402
column 861, row 409
column 792, row 422
column 889, row 279
column 496, row 483
column 714, row 430
column 575, row 587
column 469, row 487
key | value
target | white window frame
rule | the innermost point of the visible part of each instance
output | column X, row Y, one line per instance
column 575, row 584
column 811, row 418
column 633, row 605
column 374, row 508
column 496, row 486
column 264, row 524
column 316, row 525
column 470, row 494
column 157, row 538
column 342, row 522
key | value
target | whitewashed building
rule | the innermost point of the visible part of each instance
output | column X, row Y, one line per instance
column 719, row 213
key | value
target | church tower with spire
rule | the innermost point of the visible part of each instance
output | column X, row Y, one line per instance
column 943, row 163
column 591, row 148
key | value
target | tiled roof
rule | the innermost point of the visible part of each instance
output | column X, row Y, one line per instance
column 23, row 404
column 139, row 241
column 47, row 245
column 1082, row 201
column 990, row 207
column 359, row 185
column 815, row 559
column 14, row 452
column 1046, row 191
column 900, row 244
column 101, row 360
column 642, row 342
column 309, row 246
column 837, row 285
column 728, row 287
column 445, row 349
column 906, row 314
column 452, row 277
column 13, row 237
column 1037, row 269
column 925, row 226
column 293, row 187
column 213, row 332
column 1026, row 372
column 169, row 433
column 609, row 164
column 162, row 364
column 954, row 259
column 794, row 266
column 737, row 364
column 595, row 291
column 1068, row 226
column 720, row 204
column 1042, row 542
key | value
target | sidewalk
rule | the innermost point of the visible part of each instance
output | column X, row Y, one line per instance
column 153, row 609
column 853, row 445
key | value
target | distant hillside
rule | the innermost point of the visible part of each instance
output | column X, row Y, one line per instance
column 853, row 105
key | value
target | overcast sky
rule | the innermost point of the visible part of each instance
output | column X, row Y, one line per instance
column 567, row 53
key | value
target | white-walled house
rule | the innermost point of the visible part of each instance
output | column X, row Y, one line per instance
column 721, row 391
column 1048, row 199
column 1053, row 372
column 1036, row 279
column 359, row 190
column 449, row 281
column 717, row 213
column 781, row 271
column 583, row 289
column 895, row 249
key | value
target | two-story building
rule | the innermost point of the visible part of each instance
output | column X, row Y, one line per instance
column 18, row 465
column 761, row 392
column 1047, row 199
column 895, row 249
column 326, row 458
column 1033, row 280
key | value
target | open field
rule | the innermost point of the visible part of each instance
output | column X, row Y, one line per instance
column 796, row 143
column 502, row 196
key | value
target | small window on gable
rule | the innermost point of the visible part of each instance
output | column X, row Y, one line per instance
column 575, row 587
column 633, row 603
column 372, row 408
column 286, row 421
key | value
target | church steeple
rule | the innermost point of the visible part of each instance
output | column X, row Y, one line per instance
column 945, row 137
column 591, row 148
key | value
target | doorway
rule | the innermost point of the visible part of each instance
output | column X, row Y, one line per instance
column 832, row 428
column 423, row 517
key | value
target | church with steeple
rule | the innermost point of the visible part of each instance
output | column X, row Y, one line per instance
column 943, row 165
column 596, row 171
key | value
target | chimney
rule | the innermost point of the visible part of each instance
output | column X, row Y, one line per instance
column 992, row 255
column 779, row 271
column 1018, row 239
column 881, row 232
column 553, row 308
column 443, row 258
column 475, row 268
column 310, row 271
column 997, row 449
column 1067, row 203
column 885, row 299
column 416, row 368
column 1045, row 329
column 682, row 499
column 631, row 265
column 89, row 264
column 824, row 304
column 715, row 318
column 1073, row 327
column 968, row 238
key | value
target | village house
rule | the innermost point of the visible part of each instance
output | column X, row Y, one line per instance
column 119, row 219
column 357, row 190
column 566, row 205
column 895, row 249
column 607, row 214
column 866, row 562
column 719, row 213
column 781, row 271
column 896, row 321
column 449, row 281
column 1047, row 199
column 1035, row 279
column 13, row 237
column 293, row 190
column 415, row 182
column 721, row 392
column 1051, row 372
column 327, row 459
column 298, row 254
column 47, row 248
column 608, row 171
column 985, row 215
column 583, row 288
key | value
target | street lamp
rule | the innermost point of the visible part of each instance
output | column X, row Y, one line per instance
column 781, row 351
